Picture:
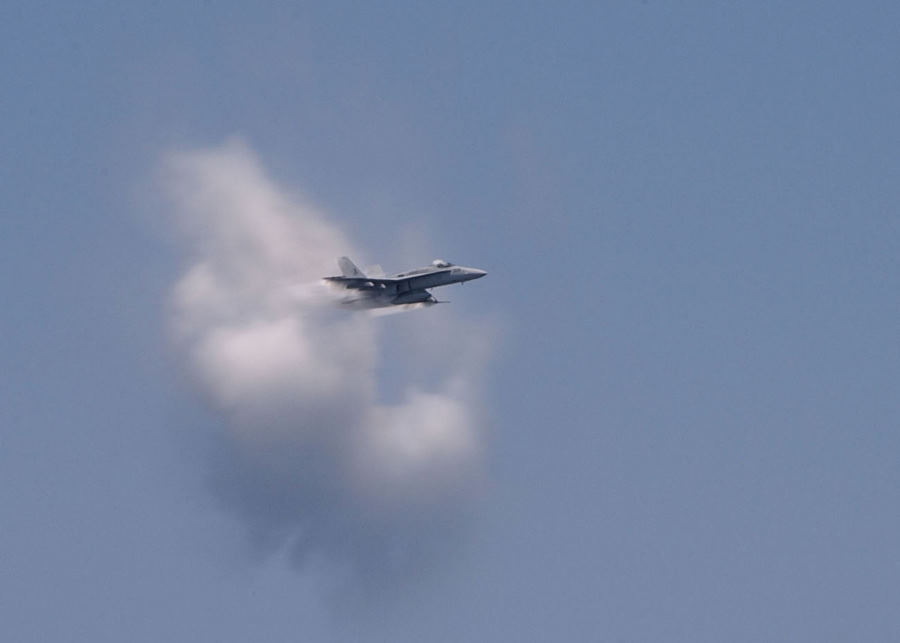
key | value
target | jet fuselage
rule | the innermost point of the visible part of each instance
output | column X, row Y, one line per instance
column 402, row 288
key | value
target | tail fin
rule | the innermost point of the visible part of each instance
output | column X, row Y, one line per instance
column 348, row 269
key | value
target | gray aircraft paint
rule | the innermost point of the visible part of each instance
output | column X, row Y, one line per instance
column 401, row 289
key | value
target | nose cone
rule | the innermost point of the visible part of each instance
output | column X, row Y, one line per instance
column 475, row 273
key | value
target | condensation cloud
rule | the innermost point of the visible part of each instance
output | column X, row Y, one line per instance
column 309, row 457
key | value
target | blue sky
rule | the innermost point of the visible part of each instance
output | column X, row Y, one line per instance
column 688, row 213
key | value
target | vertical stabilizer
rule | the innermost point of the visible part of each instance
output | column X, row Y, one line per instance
column 349, row 269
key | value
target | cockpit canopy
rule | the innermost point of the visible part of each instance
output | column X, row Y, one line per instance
column 440, row 263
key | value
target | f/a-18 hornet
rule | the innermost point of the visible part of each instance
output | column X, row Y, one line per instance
column 404, row 288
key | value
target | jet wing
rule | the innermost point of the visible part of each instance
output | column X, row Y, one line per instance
column 364, row 283
column 404, row 283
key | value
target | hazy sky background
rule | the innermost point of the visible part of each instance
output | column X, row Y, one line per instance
column 689, row 216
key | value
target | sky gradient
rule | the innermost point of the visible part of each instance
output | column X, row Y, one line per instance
column 689, row 217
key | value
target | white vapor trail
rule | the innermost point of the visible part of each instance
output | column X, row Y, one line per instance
column 309, row 457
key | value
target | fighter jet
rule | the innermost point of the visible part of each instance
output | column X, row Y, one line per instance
column 400, row 289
